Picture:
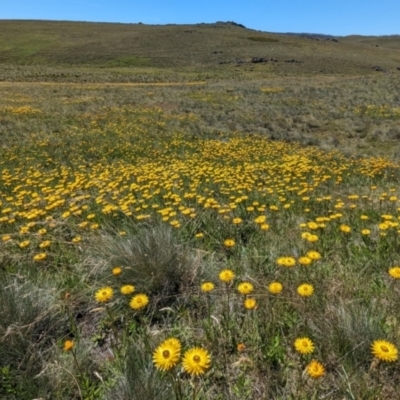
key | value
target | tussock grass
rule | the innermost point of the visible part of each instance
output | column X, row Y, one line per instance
column 153, row 259
column 139, row 379
column 31, row 321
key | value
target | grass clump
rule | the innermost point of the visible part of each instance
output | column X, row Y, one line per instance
column 153, row 259
column 30, row 320
column 139, row 379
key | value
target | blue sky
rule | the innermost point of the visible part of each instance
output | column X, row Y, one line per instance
column 338, row 17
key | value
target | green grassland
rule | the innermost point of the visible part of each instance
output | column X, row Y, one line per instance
column 198, row 47
column 163, row 158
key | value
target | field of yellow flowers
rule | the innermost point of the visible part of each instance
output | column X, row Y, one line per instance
column 143, row 259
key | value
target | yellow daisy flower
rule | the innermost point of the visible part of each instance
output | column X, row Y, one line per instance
column 24, row 244
column 226, row 275
column 260, row 219
column 45, row 244
column 245, row 288
column 196, row 361
column 104, row 294
column 394, row 272
column 207, row 287
column 286, row 261
column 304, row 345
column 305, row 260
column 117, row 271
column 345, row 228
column 68, row 345
column 275, row 287
column 229, row 243
column 385, row 351
column 314, row 255
column 312, row 225
column 167, row 355
column 315, row 369
column 139, row 301
column 250, row 303
column 312, row 238
column 305, row 290
column 65, row 215
column 127, row 289
column 241, row 347
column 40, row 257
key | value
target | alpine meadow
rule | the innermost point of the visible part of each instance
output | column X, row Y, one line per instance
column 198, row 212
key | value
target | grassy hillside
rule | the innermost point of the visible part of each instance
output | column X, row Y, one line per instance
column 180, row 46
column 389, row 42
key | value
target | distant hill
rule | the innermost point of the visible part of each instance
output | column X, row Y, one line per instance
column 389, row 42
column 219, row 45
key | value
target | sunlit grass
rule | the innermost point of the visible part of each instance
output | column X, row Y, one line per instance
column 375, row 111
column 125, row 231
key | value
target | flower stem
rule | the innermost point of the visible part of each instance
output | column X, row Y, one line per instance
column 114, row 329
column 194, row 389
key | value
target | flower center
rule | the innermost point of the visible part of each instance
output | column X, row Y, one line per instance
column 304, row 343
column 139, row 300
column 166, row 353
column 384, row 348
column 196, row 359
